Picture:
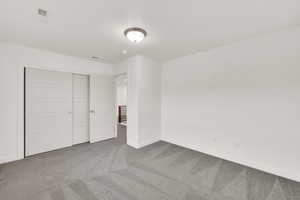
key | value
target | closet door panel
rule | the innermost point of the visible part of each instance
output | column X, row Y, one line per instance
column 102, row 105
column 48, row 113
column 80, row 108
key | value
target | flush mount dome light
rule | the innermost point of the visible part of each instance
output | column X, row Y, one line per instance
column 135, row 34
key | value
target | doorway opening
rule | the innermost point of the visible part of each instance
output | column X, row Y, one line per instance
column 121, row 107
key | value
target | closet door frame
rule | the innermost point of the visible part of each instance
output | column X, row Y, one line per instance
column 43, row 100
column 22, row 111
column 25, row 69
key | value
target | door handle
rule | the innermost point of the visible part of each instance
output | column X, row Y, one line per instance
column 92, row 111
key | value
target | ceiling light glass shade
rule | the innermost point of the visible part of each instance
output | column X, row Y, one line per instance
column 135, row 34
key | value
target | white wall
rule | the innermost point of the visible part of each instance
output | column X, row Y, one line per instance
column 149, row 100
column 144, row 100
column 121, row 87
column 13, row 58
column 239, row 102
column 122, row 94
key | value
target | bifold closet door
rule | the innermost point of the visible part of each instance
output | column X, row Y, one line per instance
column 80, row 109
column 102, row 105
column 48, row 115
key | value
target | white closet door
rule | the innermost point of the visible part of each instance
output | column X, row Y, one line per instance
column 80, row 109
column 102, row 99
column 48, row 110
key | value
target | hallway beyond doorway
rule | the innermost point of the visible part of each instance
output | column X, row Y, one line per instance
column 122, row 134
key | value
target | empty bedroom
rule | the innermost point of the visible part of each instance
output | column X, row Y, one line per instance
column 149, row 100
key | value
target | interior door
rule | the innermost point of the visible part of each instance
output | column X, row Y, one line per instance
column 80, row 109
column 48, row 113
column 102, row 104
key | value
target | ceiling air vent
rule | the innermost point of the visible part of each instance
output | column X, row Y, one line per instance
column 42, row 12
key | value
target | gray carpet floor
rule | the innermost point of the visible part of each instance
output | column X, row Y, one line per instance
column 111, row 170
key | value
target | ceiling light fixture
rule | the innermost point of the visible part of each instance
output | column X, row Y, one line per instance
column 135, row 34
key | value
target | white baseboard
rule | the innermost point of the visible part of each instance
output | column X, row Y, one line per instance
column 143, row 144
column 6, row 159
column 132, row 144
column 251, row 164
column 148, row 142
column 101, row 139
